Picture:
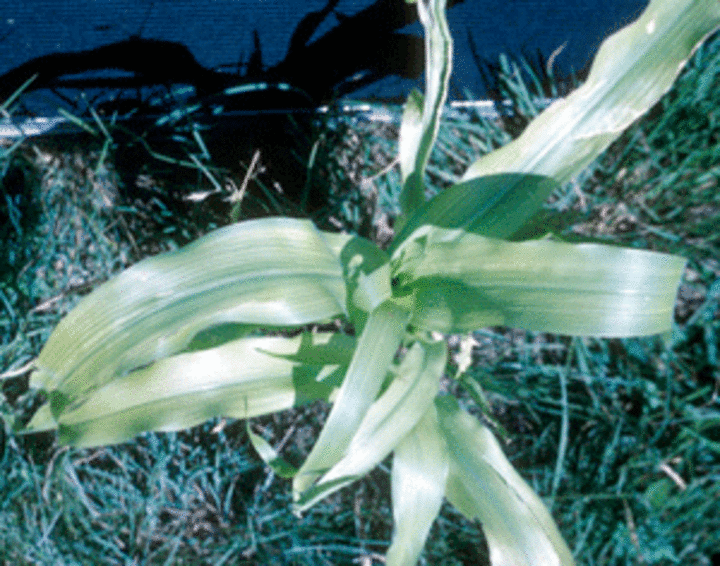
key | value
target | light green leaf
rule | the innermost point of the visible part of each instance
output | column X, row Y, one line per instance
column 377, row 346
column 419, row 474
column 483, row 485
column 266, row 272
column 410, row 136
column 41, row 421
column 418, row 132
column 495, row 206
column 463, row 282
column 388, row 420
column 241, row 379
column 269, row 455
column 631, row 71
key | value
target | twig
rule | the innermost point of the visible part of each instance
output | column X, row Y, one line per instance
column 674, row 476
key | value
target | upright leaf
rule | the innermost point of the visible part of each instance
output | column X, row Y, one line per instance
column 630, row 73
column 419, row 130
column 495, row 206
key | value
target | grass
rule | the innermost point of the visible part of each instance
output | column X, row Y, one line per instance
column 621, row 437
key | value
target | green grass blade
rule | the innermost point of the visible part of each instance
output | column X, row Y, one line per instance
column 466, row 281
column 15, row 95
column 241, row 379
column 263, row 272
column 631, row 71
column 270, row 456
column 388, row 421
column 377, row 346
column 418, row 132
column 419, row 474
column 483, row 485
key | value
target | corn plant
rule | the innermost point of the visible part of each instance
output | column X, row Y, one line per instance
column 237, row 323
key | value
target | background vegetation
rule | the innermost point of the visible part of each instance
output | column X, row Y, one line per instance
column 622, row 436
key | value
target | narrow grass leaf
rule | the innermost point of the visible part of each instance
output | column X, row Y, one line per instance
column 464, row 282
column 266, row 272
column 484, row 486
column 270, row 456
column 377, row 346
column 15, row 95
column 419, row 474
column 241, row 379
column 389, row 419
column 631, row 71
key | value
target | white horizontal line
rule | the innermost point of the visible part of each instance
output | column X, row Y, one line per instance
column 31, row 127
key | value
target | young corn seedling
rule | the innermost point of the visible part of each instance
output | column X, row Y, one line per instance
column 193, row 334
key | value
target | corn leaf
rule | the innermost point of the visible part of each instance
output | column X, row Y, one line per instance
column 464, row 281
column 366, row 271
column 263, row 272
column 631, row 71
column 495, row 206
column 410, row 135
column 419, row 474
column 419, row 130
column 483, row 485
column 241, row 379
column 388, row 421
column 377, row 346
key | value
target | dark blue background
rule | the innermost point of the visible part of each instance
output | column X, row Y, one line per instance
column 219, row 32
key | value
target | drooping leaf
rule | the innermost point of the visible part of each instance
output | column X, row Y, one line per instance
column 388, row 420
column 464, row 281
column 243, row 378
column 266, row 272
column 419, row 474
column 377, row 346
column 631, row 71
column 483, row 485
